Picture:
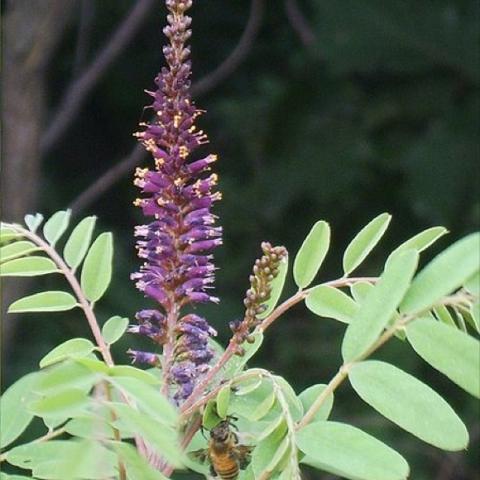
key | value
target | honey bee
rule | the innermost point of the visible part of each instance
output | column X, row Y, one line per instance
column 225, row 454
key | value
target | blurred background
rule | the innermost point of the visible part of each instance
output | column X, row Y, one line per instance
column 318, row 109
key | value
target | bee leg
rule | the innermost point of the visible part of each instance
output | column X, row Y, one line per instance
column 213, row 473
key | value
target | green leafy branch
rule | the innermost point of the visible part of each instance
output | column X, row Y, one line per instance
column 398, row 303
column 96, row 272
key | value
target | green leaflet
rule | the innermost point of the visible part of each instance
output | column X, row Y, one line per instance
column 223, row 400
column 4, row 476
column 473, row 284
column 78, row 242
column 295, row 405
column 16, row 249
column 90, row 426
column 73, row 348
column 210, row 418
column 475, row 313
column 28, row 267
column 442, row 313
column 449, row 350
column 421, row 241
column 310, row 257
column 269, row 451
column 254, row 405
column 163, row 440
column 33, row 221
column 309, row 395
column 15, row 418
column 97, row 268
column 148, row 399
column 53, row 301
column 379, row 305
column 331, row 302
column 346, row 451
column 445, row 273
column 56, row 225
column 133, row 372
column 65, row 375
column 67, row 403
column 114, row 328
column 360, row 290
column 364, row 242
column 409, row 403
column 65, row 459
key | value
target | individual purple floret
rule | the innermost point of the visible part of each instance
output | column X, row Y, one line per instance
column 176, row 246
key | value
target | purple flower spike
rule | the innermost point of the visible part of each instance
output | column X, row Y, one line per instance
column 176, row 246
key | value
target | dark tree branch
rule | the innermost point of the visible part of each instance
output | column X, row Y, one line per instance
column 299, row 23
column 204, row 85
column 85, row 24
column 108, row 179
column 238, row 54
column 80, row 88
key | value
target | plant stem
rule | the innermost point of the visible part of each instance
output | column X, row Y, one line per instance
column 84, row 304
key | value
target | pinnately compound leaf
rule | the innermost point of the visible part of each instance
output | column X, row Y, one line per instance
column 53, row 301
column 409, row 403
column 364, row 242
column 311, row 254
column 56, row 226
column 114, row 328
column 331, row 302
column 346, row 451
column 449, row 350
column 78, row 242
column 446, row 272
column 379, row 305
column 97, row 268
column 28, row 267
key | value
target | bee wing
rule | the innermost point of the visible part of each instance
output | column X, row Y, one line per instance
column 243, row 455
column 199, row 455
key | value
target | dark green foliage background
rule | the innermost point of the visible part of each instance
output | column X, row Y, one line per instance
column 380, row 114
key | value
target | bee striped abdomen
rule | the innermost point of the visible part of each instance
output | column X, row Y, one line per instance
column 225, row 466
